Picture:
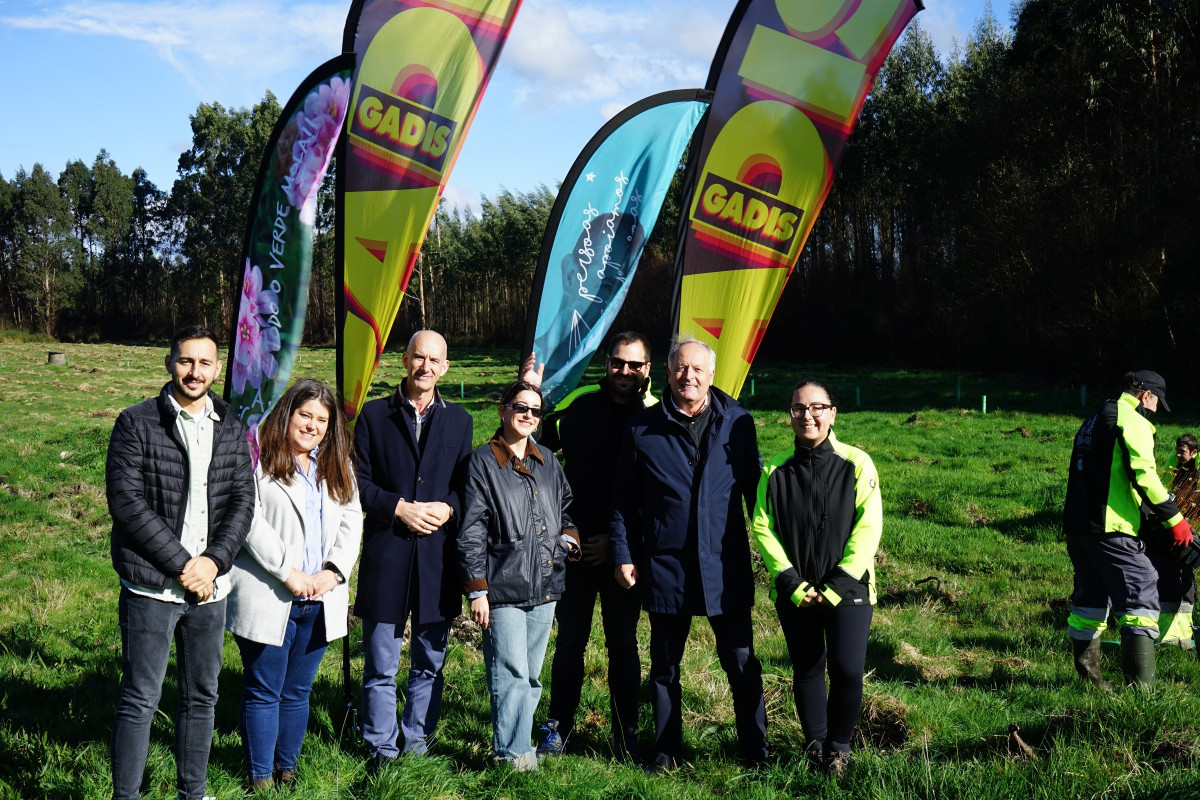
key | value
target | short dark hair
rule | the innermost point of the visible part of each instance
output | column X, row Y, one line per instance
column 626, row 338
column 189, row 332
column 515, row 388
column 1187, row 440
column 820, row 384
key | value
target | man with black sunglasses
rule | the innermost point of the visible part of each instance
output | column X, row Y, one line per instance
column 587, row 427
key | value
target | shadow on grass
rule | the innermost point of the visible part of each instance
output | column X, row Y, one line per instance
column 1043, row 527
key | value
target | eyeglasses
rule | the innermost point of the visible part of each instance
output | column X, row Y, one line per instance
column 815, row 409
column 521, row 408
column 619, row 364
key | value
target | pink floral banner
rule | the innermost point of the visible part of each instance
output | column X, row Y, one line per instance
column 279, row 243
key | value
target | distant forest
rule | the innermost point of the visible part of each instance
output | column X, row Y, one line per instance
column 1029, row 202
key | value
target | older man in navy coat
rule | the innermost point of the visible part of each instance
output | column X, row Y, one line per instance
column 410, row 454
column 686, row 466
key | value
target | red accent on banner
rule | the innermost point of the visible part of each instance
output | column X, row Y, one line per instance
column 356, row 308
column 374, row 247
column 760, row 328
column 713, row 326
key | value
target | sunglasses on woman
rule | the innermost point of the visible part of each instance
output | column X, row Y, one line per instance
column 521, row 408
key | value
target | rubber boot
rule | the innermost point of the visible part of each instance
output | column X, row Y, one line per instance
column 1087, row 662
column 1137, row 660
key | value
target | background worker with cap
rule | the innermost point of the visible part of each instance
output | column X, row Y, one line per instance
column 1176, row 579
column 1112, row 479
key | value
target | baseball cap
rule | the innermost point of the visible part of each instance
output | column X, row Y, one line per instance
column 1150, row 381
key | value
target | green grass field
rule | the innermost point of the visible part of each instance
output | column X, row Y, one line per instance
column 971, row 500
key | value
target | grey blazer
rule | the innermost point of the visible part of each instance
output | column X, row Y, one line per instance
column 259, row 602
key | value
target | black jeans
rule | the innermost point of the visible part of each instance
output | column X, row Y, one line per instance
column 822, row 635
column 148, row 627
column 619, row 611
column 735, row 650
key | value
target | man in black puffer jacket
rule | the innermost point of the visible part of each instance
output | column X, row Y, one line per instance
column 181, row 494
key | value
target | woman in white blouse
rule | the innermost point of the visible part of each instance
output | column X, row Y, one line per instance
column 289, row 596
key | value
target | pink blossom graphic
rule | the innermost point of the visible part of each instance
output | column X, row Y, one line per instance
column 257, row 340
column 318, row 125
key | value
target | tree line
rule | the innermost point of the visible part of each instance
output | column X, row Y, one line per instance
column 1027, row 201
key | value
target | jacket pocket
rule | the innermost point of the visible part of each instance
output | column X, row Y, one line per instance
column 507, row 578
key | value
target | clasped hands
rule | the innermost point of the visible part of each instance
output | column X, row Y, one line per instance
column 423, row 518
column 310, row 587
column 198, row 576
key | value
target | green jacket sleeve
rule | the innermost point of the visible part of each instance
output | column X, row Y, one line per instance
column 785, row 581
column 858, row 559
column 1137, row 440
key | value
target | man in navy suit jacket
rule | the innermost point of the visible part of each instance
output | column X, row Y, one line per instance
column 410, row 454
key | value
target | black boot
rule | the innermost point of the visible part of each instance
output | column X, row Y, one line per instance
column 1137, row 660
column 1087, row 662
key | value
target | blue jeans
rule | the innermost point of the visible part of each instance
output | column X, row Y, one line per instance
column 278, row 681
column 514, row 644
column 148, row 627
column 423, row 706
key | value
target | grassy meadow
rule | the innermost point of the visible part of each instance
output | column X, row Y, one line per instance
column 969, row 634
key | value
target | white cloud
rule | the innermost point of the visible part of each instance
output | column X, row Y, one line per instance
column 610, row 110
column 462, row 197
column 602, row 54
column 228, row 49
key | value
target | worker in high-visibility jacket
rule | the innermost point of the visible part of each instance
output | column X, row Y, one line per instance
column 1112, row 479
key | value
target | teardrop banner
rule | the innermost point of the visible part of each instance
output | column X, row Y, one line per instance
column 422, row 67
column 788, row 81
column 601, row 220
column 279, row 243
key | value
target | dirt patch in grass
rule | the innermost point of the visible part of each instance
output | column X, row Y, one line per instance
column 1176, row 748
column 932, row 668
column 883, row 723
column 976, row 515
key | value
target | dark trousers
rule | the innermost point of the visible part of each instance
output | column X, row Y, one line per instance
column 821, row 636
column 1113, row 573
column 148, row 627
column 735, row 650
column 619, row 611
column 1176, row 583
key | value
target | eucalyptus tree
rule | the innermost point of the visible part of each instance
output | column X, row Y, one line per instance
column 45, row 278
column 211, row 199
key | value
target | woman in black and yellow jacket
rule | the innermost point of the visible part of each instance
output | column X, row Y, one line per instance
column 818, row 520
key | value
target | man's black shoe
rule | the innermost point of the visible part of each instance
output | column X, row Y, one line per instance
column 377, row 762
column 661, row 765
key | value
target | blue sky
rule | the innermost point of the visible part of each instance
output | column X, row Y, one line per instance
column 126, row 76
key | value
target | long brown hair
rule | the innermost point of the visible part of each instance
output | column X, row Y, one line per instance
column 333, row 455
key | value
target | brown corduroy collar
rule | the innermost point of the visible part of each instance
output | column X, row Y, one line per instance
column 504, row 454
